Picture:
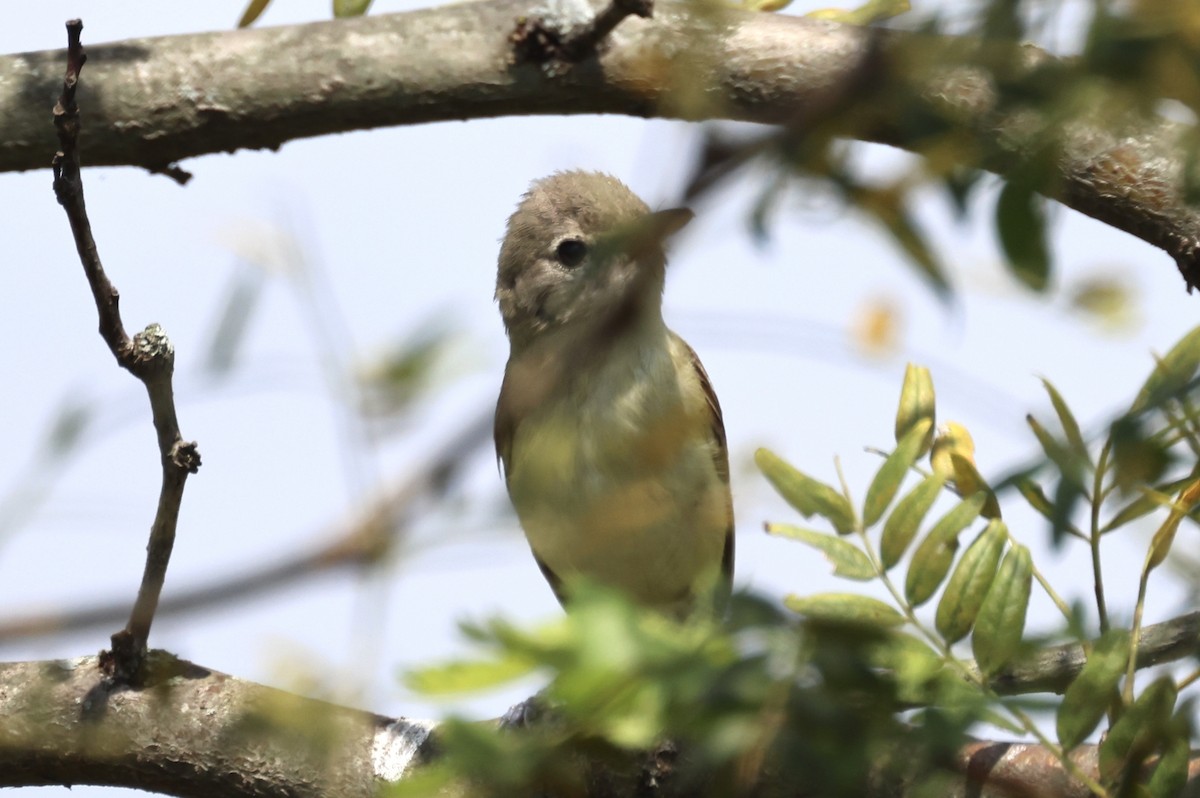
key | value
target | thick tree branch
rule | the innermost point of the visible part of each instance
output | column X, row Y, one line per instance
column 195, row 732
column 164, row 99
column 149, row 356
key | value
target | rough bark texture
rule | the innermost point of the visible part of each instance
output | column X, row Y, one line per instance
column 153, row 102
column 195, row 732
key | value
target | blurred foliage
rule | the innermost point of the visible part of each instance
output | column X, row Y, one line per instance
column 841, row 693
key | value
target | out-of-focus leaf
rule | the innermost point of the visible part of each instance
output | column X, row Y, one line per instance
column 1089, row 697
column 1143, row 505
column 1138, row 459
column 1001, row 620
column 887, row 480
column 968, row 481
column 844, row 608
column 236, row 313
column 806, row 494
column 918, row 404
column 1171, row 773
column 1109, row 301
column 1021, row 227
column 876, row 327
column 1171, row 374
column 253, row 12
column 68, row 427
column 847, row 559
column 1139, row 730
column 350, row 8
column 1036, row 497
column 887, row 206
column 969, row 583
column 469, row 675
column 901, row 526
column 1067, row 419
column 405, row 372
column 931, row 561
column 868, row 13
column 1163, row 539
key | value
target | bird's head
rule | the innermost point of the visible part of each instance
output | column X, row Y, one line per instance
column 581, row 250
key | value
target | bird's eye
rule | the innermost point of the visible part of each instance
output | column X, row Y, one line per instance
column 570, row 252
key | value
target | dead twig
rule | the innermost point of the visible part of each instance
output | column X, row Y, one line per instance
column 148, row 355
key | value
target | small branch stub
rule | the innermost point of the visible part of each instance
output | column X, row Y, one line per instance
column 539, row 41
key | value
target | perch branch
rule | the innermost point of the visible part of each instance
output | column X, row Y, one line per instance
column 149, row 356
column 198, row 733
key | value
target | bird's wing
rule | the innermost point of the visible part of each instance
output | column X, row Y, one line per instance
column 720, row 452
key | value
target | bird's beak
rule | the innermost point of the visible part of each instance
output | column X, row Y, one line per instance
column 661, row 225
column 649, row 233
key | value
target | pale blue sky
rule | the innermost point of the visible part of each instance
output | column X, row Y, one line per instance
column 417, row 242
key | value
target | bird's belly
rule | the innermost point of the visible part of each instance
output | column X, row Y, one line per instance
column 653, row 526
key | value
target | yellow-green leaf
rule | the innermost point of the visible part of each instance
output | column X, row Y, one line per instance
column 1139, row 730
column 1021, row 225
column 1067, row 419
column 969, row 481
column 1171, row 373
column 1088, row 698
column 350, row 8
column 931, row 561
column 1163, row 539
column 1171, row 773
column 917, row 404
column 901, row 526
column 844, row 608
column 969, row 583
column 806, row 494
column 887, row 480
column 1036, row 497
column 469, row 675
column 253, row 12
column 847, row 559
column 868, row 13
column 1001, row 620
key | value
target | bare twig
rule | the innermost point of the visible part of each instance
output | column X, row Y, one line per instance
column 149, row 356
column 364, row 539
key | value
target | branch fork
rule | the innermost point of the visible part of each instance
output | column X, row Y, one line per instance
column 148, row 355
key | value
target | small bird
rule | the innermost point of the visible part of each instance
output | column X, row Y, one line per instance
column 607, row 429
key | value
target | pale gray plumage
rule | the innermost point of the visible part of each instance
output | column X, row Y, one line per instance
column 609, row 434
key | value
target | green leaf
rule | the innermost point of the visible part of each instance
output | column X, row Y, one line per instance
column 253, row 12
column 868, row 13
column 804, row 493
column 1143, row 504
column 1067, row 419
column 932, row 559
column 847, row 559
column 969, row 583
column 917, row 404
column 1164, row 538
column 901, row 526
column 887, row 480
column 1036, row 497
column 236, row 314
column 1139, row 730
column 1021, row 226
column 469, row 675
column 844, row 608
column 1171, row 374
column 1001, row 619
column 1171, row 773
column 968, row 481
column 350, row 8
column 1089, row 697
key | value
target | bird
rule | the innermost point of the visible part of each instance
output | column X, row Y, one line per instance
column 609, row 436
